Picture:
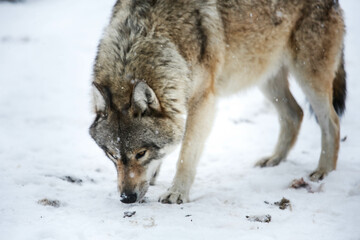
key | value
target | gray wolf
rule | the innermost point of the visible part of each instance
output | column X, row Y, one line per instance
column 161, row 65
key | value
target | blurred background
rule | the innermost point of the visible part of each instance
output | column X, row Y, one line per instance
column 47, row 49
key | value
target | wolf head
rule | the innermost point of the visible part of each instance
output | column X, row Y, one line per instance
column 138, row 121
column 135, row 138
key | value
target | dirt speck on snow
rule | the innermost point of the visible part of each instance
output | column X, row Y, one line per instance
column 71, row 179
column 129, row 214
column 300, row 183
column 283, row 204
column 259, row 218
column 48, row 202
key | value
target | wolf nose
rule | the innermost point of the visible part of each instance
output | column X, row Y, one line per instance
column 128, row 198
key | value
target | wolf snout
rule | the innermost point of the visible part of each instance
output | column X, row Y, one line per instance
column 128, row 197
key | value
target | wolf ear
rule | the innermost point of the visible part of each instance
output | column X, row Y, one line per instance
column 101, row 97
column 144, row 99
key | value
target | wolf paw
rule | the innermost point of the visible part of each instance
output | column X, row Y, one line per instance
column 171, row 197
column 269, row 162
column 318, row 175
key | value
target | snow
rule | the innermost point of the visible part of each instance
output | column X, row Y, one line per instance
column 47, row 50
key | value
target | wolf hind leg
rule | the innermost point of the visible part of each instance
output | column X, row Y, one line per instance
column 318, row 90
column 276, row 90
column 316, row 61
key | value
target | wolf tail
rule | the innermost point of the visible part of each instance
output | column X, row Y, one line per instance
column 339, row 88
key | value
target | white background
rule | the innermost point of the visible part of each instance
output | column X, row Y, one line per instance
column 47, row 49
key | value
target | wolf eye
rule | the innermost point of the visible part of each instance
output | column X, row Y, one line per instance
column 140, row 154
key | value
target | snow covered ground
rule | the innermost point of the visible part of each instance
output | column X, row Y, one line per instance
column 46, row 54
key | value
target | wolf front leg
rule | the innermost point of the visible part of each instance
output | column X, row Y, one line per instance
column 198, row 125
